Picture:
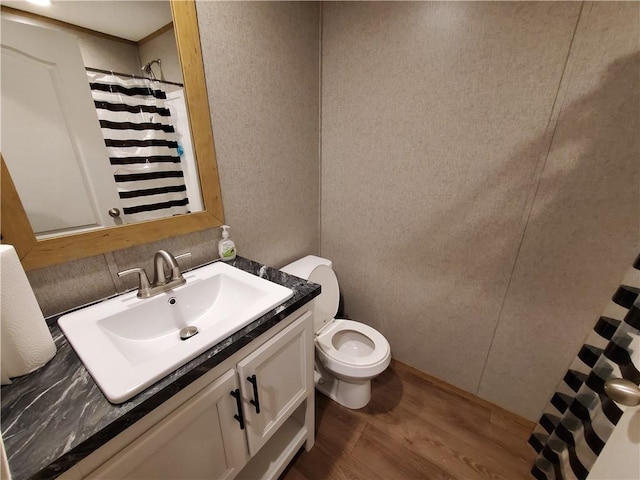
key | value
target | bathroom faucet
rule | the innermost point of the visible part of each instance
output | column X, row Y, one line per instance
column 160, row 259
column 161, row 281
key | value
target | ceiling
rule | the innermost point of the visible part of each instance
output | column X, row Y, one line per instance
column 129, row 19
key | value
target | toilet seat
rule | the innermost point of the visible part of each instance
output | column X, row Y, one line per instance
column 325, row 342
column 346, row 363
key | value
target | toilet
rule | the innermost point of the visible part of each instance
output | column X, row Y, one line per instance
column 348, row 354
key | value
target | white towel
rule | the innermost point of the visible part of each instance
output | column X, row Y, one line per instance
column 25, row 341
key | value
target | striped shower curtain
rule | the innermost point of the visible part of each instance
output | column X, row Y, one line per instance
column 580, row 417
column 143, row 146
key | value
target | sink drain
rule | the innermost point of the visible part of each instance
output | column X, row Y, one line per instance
column 188, row 332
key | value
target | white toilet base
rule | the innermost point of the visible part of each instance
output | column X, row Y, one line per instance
column 353, row 395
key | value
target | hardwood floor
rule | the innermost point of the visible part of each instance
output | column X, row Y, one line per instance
column 415, row 427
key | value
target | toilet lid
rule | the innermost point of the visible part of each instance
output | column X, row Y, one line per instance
column 326, row 304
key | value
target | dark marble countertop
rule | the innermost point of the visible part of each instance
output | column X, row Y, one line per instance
column 56, row 416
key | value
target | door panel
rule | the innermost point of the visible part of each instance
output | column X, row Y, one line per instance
column 201, row 440
column 283, row 369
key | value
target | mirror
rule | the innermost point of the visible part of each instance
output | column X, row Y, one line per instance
column 39, row 252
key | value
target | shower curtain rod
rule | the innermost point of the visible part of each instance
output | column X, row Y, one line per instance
column 110, row 72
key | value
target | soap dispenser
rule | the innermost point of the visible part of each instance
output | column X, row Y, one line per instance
column 226, row 247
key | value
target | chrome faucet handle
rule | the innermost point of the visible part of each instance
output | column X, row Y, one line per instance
column 143, row 286
column 183, row 255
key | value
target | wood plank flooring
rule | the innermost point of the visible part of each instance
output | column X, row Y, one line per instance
column 415, row 427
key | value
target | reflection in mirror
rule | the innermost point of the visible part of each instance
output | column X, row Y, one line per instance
column 97, row 239
column 108, row 116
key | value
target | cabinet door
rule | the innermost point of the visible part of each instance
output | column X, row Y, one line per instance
column 276, row 379
column 201, row 439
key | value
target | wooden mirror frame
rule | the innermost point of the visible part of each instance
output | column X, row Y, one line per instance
column 34, row 253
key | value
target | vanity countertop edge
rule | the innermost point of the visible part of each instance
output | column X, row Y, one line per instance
column 56, row 416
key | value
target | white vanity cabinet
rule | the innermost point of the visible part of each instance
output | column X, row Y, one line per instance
column 246, row 418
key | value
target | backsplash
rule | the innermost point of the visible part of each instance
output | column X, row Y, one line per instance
column 68, row 285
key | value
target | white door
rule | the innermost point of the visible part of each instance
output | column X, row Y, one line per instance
column 620, row 457
column 276, row 379
column 199, row 440
column 51, row 139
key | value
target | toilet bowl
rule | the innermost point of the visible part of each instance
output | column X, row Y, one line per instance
column 348, row 354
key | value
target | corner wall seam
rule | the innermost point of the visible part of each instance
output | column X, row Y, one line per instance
column 550, row 132
column 320, row 41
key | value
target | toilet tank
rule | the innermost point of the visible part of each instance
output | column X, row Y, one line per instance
column 318, row 270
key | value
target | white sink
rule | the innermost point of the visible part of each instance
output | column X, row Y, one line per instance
column 128, row 343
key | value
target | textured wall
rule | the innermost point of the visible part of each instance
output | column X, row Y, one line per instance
column 62, row 287
column 437, row 119
column 106, row 54
column 262, row 70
